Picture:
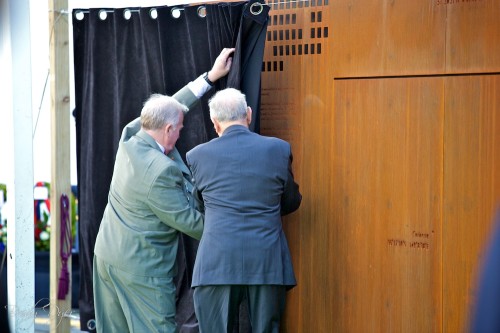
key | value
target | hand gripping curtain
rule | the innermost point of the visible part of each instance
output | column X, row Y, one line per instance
column 118, row 62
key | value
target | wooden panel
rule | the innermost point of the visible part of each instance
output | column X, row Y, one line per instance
column 399, row 175
column 296, row 106
column 387, row 37
column 471, row 188
column 387, row 170
column 394, row 38
column 280, row 112
column 473, row 35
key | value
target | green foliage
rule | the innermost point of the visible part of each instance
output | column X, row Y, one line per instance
column 3, row 188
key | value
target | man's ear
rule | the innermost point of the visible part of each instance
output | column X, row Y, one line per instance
column 168, row 129
column 249, row 115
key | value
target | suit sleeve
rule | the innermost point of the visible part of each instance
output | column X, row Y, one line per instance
column 192, row 92
column 168, row 201
column 185, row 96
column 291, row 197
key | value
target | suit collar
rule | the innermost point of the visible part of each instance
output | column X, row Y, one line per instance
column 149, row 139
column 235, row 128
column 174, row 155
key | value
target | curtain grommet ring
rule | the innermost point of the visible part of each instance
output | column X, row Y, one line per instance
column 258, row 10
column 153, row 13
column 127, row 14
column 176, row 12
column 202, row 11
column 80, row 14
column 103, row 14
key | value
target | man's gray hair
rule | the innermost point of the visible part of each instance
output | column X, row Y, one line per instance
column 228, row 105
column 160, row 110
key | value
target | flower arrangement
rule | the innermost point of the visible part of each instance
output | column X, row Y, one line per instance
column 41, row 218
column 3, row 236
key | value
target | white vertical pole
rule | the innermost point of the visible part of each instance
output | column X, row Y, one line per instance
column 20, row 234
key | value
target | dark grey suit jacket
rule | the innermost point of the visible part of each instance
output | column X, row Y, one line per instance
column 247, row 184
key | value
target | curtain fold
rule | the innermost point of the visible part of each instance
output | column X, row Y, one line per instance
column 118, row 63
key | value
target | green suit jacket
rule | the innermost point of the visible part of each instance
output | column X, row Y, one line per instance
column 150, row 200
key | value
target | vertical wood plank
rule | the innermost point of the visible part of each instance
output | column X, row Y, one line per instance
column 471, row 188
column 387, row 171
column 296, row 106
column 60, row 158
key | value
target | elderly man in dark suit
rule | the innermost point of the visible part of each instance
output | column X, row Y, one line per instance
column 247, row 183
column 150, row 201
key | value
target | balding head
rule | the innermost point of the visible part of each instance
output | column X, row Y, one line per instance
column 229, row 107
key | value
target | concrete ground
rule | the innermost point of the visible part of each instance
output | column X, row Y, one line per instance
column 42, row 321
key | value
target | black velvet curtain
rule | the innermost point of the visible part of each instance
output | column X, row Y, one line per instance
column 119, row 62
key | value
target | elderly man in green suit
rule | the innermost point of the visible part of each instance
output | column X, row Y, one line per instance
column 150, row 200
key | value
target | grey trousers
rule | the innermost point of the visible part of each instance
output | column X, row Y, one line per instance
column 215, row 307
column 126, row 302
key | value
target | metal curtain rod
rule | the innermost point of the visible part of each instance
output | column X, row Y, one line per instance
column 255, row 8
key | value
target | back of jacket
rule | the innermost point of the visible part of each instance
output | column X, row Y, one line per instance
column 150, row 200
column 244, row 179
column 148, row 203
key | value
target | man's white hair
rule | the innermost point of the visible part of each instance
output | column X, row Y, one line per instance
column 228, row 105
column 160, row 110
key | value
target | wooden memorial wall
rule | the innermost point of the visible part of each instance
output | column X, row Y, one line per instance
column 393, row 112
